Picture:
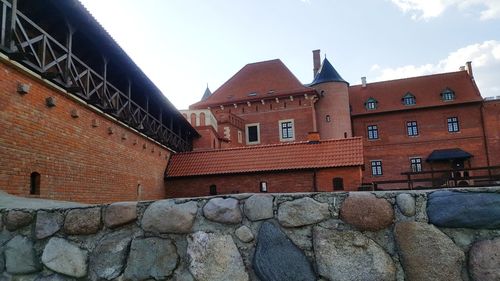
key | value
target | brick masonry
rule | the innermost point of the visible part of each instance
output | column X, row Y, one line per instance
column 81, row 154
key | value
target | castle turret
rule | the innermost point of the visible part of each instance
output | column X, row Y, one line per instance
column 332, row 109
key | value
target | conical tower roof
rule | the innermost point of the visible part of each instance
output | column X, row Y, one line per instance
column 327, row 73
column 206, row 94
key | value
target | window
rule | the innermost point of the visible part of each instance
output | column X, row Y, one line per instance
column 412, row 128
column 447, row 94
column 338, row 184
column 409, row 99
column 286, row 130
column 372, row 132
column 453, row 124
column 213, row 189
column 416, row 164
column 371, row 104
column 263, row 186
column 252, row 132
column 35, row 183
column 376, row 167
column 328, row 119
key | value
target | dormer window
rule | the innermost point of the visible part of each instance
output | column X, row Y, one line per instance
column 252, row 94
column 371, row 104
column 409, row 99
column 447, row 94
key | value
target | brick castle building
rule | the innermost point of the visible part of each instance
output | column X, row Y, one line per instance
column 437, row 129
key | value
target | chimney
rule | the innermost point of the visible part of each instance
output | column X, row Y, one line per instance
column 313, row 137
column 462, row 68
column 469, row 69
column 316, row 61
column 363, row 82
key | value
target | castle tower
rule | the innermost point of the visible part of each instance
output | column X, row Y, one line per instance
column 332, row 109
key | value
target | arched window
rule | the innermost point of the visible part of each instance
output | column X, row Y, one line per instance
column 193, row 119
column 409, row 99
column 338, row 184
column 371, row 104
column 202, row 119
column 447, row 94
column 35, row 183
column 213, row 189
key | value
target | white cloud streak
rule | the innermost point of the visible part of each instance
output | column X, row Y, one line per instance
column 427, row 9
column 485, row 59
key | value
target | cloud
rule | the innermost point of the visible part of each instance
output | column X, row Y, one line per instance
column 485, row 59
column 427, row 9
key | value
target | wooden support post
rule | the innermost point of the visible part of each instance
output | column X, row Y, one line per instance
column 69, row 48
column 10, row 43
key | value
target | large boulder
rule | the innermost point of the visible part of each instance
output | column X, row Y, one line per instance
column 153, row 257
column 107, row 260
column 349, row 255
column 427, row 253
column 464, row 210
column 63, row 257
column 259, row 207
column 120, row 213
column 83, row 221
column 276, row 258
column 165, row 216
column 484, row 260
column 47, row 223
column 16, row 219
column 222, row 210
column 366, row 212
column 300, row 212
column 215, row 257
column 20, row 256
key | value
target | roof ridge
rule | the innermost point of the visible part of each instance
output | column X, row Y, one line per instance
column 411, row 77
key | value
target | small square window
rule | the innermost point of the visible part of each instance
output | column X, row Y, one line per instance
column 263, row 186
column 448, row 95
column 252, row 133
column 376, row 166
column 287, row 132
column 412, row 128
column 453, row 125
column 416, row 164
column 213, row 189
column 409, row 99
column 371, row 104
column 372, row 132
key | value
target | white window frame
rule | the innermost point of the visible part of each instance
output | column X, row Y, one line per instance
column 248, row 135
column 281, row 131
column 377, row 172
column 416, row 166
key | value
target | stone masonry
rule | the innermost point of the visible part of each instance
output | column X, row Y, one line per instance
column 407, row 235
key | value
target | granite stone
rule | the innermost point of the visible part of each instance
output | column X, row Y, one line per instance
column 366, row 212
column 47, row 223
column 120, row 213
column 427, row 253
column 244, row 233
column 276, row 258
column 20, row 256
column 16, row 219
column 107, row 260
column 223, row 210
column 167, row 217
column 484, row 260
column 406, row 204
column 83, row 221
column 63, row 257
column 464, row 209
column 259, row 207
column 300, row 212
column 153, row 257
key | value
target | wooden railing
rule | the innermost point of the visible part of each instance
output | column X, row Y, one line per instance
column 24, row 41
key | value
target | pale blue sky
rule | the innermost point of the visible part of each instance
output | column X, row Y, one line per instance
column 184, row 44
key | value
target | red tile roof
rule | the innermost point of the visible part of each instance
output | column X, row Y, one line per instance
column 426, row 89
column 259, row 78
column 277, row 157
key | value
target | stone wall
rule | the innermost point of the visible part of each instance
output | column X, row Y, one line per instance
column 424, row 235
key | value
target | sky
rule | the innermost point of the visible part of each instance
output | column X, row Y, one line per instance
column 185, row 45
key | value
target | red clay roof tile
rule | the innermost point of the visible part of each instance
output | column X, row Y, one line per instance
column 259, row 78
column 277, row 157
column 426, row 89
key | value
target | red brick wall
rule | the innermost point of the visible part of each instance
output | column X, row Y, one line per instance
column 77, row 161
column 278, row 182
column 492, row 130
column 268, row 115
column 395, row 148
